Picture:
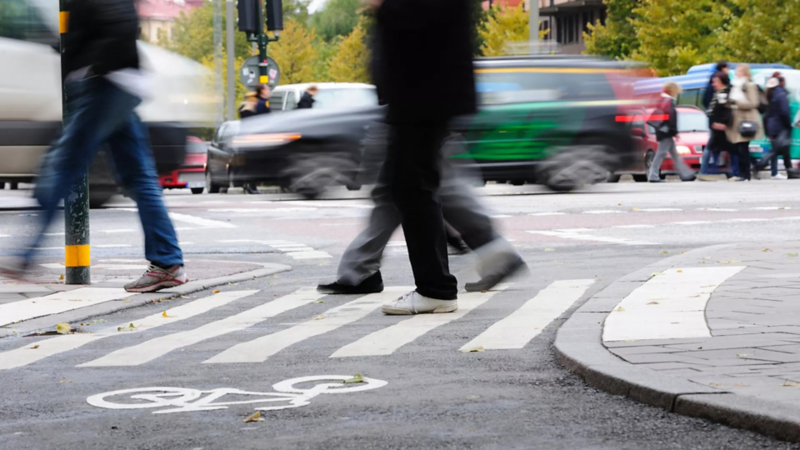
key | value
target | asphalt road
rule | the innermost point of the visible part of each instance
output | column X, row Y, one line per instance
column 434, row 396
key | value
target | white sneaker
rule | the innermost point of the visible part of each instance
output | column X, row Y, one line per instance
column 780, row 176
column 415, row 303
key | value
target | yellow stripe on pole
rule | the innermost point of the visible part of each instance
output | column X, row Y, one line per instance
column 263, row 79
column 77, row 256
column 63, row 21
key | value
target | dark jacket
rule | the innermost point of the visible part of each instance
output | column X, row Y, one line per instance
column 778, row 117
column 101, row 35
column 669, row 127
column 306, row 101
column 719, row 111
column 262, row 106
column 425, row 49
column 708, row 94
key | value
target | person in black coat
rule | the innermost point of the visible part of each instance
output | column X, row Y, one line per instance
column 307, row 100
column 777, row 125
column 423, row 46
column 263, row 93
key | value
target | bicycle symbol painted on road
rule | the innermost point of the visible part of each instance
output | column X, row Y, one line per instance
column 177, row 400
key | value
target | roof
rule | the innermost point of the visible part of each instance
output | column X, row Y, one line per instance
column 556, row 62
column 572, row 6
column 161, row 9
column 322, row 86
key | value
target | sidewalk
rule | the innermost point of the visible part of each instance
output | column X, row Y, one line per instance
column 44, row 299
column 712, row 333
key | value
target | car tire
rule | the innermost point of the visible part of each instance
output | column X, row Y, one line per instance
column 197, row 190
column 353, row 187
column 572, row 167
column 211, row 187
column 613, row 178
column 640, row 178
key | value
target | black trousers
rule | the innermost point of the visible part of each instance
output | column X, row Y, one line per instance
column 743, row 149
column 412, row 171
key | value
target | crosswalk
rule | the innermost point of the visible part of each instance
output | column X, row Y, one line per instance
column 513, row 330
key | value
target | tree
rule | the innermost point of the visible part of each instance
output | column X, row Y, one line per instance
column 617, row 37
column 336, row 18
column 296, row 10
column 193, row 35
column 763, row 32
column 678, row 34
column 295, row 53
column 504, row 25
column 351, row 61
column 240, row 88
column 325, row 52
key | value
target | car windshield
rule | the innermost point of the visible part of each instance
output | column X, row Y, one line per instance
column 692, row 121
column 345, row 98
column 498, row 86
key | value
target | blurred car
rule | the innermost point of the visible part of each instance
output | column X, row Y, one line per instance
column 693, row 134
column 30, row 97
column 191, row 174
column 329, row 95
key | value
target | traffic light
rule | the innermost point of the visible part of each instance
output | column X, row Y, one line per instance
column 249, row 16
column 274, row 15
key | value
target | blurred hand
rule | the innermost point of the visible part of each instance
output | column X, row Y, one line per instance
column 719, row 126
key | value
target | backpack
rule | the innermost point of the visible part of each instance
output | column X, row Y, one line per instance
column 763, row 104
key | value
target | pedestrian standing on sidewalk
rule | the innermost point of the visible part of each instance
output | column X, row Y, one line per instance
column 777, row 126
column 719, row 118
column 248, row 106
column 263, row 93
column 438, row 36
column 307, row 100
column 666, row 130
column 104, row 84
column 746, row 122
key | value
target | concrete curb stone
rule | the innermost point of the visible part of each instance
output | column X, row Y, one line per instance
column 579, row 349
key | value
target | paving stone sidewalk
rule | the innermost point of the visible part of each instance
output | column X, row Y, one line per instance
column 740, row 365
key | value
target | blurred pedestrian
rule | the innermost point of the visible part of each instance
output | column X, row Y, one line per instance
column 777, row 126
column 104, row 84
column 248, row 106
column 746, row 124
column 719, row 118
column 437, row 36
column 263, row 92
column 724, row 68
column 307, row 100
column 666, row 130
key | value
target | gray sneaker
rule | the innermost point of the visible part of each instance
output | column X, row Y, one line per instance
column 156, row 278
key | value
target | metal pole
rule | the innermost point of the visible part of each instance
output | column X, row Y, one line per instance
column 77, row 255
column 218, row 58
column 230, row 50
column 533, row 21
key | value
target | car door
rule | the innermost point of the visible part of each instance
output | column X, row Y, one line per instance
column 218, row 158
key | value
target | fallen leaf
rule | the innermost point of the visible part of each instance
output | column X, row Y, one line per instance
column 793, row 255
column 788, row 383
column 164, row 315
column 63, row 328
column 653, row 303
column 216, row 292
column 766, row 250
column 620, row 309
column 549, row 249
column 699, row 348
column 664, row 251
column 741, row 385
column 61, row 277
column 34, row 347
column 255, row 417
column 635, row 209
column 476, row 350
column 96, row 321
column 357, row 378
column 680, row 271
column 319, row 317
column 655, row 274
column 320, row 301
column 716, row 384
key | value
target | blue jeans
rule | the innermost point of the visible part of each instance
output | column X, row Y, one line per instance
column 101, row 113
column 705, row 163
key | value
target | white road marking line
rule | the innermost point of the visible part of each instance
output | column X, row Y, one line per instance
column 634, row 226
column 771, row 208
column 660, row 209
column 668, row 306
column 548, row 214
column 122, row 230
column 310, row 255
column 587, row 237
column 160, row 346
column 691, row 222
column 112, row 245
column 186, row 228
column 574, row 230
column 48, row 347
column 123, row 260
column 604, row 211
column 501, row 216
column 52, row 266
column 260, row 349
column 121, row 266
column 205, row 223
column 388, row 340
column 745, row 220
column 330, row 204
column 718, row 209
column 236, row 241
column 57, row 303
column 787, row 218
column 48, row 248
column 524, row 324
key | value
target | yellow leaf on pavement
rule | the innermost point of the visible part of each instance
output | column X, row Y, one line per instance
column 319, row 317
column 549, row 249
column 34, row 347
column 216, row 292
column 63, row 328
column 164, row 315
column 357, row 378
column 620, row 309
column 255, row 417
column 61, row 277
column 476, row 350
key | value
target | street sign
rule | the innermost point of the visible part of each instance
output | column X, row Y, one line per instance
column 250, row 72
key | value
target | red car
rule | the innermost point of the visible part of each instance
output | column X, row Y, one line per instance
column 693, row 133
column 192, row 173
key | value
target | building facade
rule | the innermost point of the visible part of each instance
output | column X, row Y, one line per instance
column 158, row 16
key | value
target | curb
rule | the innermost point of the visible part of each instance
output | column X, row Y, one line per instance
column 579, row 348
column 136, row 300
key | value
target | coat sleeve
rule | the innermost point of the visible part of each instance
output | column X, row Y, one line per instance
column 785, row 113
column 751, row 100
column 708, row 95
column 414, row 14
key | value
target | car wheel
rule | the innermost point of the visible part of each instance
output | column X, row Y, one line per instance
column 572, row 167
column 614, row 178
column 640, row 178
column 310, row 175
column 210, row 185
column 197, row 190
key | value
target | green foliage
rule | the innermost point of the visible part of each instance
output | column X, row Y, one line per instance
column 296, row 10
column 617, row 37
column 295, row 53
column 336, row 18
column 325, row 52
column 677, row 34
column 479, row 18
column 763, row 32
column 193, row 35
column 240, row 88
column 505, row 25
column 351, row 62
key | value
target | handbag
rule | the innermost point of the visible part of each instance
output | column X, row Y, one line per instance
column 748, row 128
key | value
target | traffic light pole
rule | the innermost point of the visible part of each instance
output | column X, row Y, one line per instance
column 76, row 203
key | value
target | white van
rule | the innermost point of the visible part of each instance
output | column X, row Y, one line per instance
column 30, row 92
column 329, row 95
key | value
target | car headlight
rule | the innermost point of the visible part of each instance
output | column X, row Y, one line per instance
column 684, row 150
column 264, row 140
